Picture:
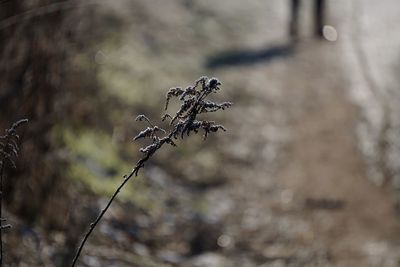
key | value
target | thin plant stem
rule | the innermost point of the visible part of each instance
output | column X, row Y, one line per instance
column 93, row 225
column 183, row 123
column 8, row 152
column 100, row 216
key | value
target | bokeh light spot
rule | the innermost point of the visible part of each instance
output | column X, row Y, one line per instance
column 329, row 32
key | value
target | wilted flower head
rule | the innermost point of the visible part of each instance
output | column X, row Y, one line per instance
column 193, row 102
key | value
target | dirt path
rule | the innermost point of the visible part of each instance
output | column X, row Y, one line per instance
column 297, row 192
column 312, row 204
column 318, row 205
column 325, row 165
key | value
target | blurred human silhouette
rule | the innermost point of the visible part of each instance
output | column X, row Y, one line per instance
column 319, row 14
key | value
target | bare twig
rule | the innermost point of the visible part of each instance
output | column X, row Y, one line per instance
column 183, row 123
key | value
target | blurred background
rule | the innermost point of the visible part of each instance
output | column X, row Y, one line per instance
column 308, row 173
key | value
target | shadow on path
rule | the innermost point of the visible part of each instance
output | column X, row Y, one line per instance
column 250, row 57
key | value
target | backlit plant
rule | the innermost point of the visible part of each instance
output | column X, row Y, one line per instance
column 184, row 122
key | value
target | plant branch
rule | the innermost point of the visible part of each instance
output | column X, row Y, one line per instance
column 8, row 152
column 183, row 123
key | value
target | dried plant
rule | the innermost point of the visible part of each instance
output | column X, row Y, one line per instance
column 8, row 153
column 184, row 122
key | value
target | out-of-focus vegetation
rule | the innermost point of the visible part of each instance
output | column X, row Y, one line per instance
column 80, row 72
column 288, row 187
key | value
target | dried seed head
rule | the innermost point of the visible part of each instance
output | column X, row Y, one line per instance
column 9, row 144
column 193, row 102
column 213, row 84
